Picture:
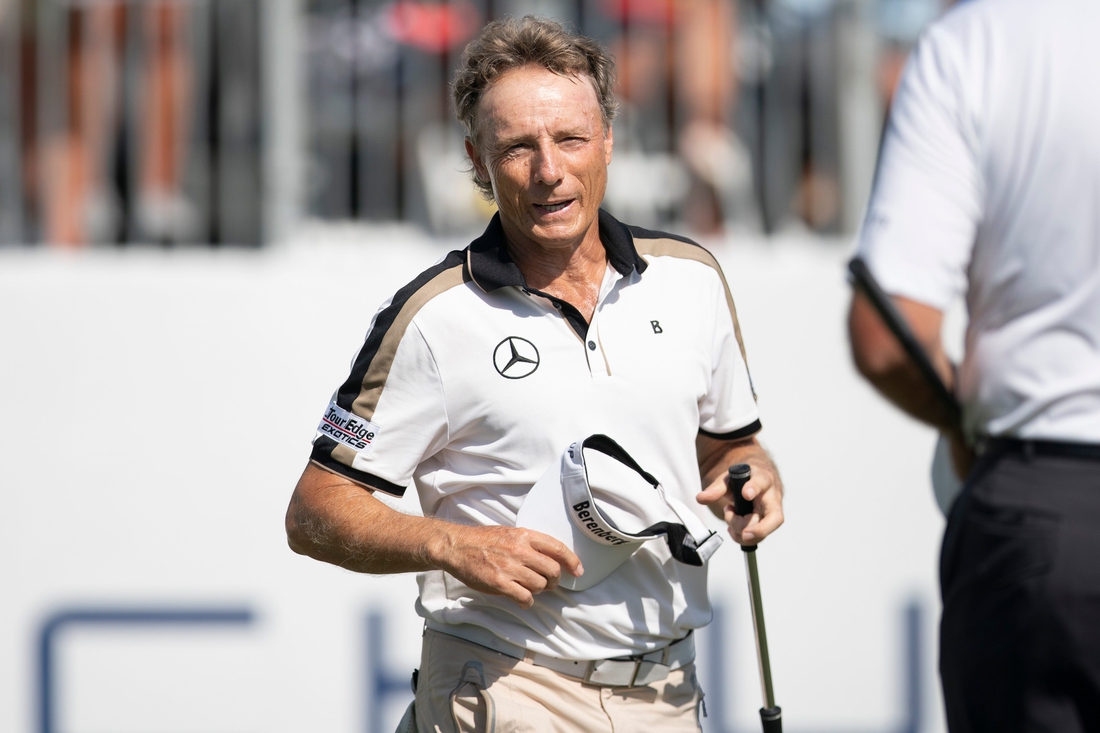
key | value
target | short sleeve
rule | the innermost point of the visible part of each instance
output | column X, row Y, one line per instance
column 728, row 410
column 388, row 417
column 925, row 207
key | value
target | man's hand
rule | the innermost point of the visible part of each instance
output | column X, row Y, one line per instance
column 334, row 520
column 764, row 488
column 503, row 561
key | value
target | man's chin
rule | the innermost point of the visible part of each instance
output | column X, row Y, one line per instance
column 556, row 237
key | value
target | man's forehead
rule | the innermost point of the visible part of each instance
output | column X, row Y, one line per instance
column 532, row 91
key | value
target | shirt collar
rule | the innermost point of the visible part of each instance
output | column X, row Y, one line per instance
column 491, row 267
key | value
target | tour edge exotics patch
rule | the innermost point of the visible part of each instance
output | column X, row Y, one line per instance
column 348, row 428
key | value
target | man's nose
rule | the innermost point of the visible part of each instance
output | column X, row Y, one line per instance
column 548, row 164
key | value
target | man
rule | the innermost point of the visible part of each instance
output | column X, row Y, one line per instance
column 989, row 185
column 558, row 322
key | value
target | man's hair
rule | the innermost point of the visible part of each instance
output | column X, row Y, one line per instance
column 508, row 44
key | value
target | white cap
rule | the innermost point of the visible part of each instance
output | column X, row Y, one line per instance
column 600, row 503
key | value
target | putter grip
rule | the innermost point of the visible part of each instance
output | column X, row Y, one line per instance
column 736, row 479
column 772, row 719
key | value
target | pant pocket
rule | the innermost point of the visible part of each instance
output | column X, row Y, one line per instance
column 998, row 579
column 472, row 707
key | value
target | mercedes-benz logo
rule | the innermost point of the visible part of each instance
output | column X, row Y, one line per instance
column 515, row 358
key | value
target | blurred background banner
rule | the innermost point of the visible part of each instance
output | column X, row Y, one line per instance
column 203, row 202
column 235, row 121
column 158, row 407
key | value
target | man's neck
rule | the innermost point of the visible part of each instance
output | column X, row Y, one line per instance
column 572, row 273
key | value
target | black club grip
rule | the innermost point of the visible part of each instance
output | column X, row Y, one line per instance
column 772, row 718
column 736, row 479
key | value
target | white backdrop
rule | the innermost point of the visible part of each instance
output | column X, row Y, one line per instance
column 156, row 409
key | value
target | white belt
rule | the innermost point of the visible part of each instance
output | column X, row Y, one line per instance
column 632, row 671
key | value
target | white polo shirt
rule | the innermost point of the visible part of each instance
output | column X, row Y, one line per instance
column 470, row 385
column 989, row 185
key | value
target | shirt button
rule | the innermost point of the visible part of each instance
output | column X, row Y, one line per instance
column 591, row 345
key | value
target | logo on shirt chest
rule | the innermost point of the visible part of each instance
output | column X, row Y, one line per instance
column 515, row 358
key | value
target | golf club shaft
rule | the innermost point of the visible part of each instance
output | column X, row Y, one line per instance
column 771, row 716
column 898, row 326
column 762, row 658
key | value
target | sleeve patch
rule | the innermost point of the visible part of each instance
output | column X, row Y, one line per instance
column 348, row 429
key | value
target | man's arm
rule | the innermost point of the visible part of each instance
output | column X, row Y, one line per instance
column 765, row 488
column 881, row 359
column 337, row 521
column 883, row 362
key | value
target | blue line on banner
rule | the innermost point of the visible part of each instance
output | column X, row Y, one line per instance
column 73, row 617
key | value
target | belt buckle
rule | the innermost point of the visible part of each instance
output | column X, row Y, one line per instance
column 649, row 672
column 628, row 672
column 611, row 672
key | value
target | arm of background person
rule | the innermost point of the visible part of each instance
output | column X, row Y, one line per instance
column 765, row 488
column 882, row 360
column 338, row 521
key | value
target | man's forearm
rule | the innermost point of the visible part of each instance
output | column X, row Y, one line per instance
column 335, row 521
column 715, row 457
column 882, row 360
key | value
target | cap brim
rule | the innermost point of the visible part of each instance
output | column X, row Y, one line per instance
column 544, row 510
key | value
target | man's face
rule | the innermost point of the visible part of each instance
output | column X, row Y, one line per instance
column 543, row 146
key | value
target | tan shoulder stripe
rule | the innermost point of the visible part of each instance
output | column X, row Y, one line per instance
column 375, row 378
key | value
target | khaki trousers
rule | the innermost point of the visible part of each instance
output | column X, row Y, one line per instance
column 466, row 688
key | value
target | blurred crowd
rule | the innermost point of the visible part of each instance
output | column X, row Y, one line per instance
column 129, row 121
column 143, row 121
column 732, row 111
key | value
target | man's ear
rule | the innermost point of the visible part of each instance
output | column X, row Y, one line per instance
column 480, row 170
column 608, row 143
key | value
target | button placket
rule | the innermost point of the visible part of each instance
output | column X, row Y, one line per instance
column 597, row 359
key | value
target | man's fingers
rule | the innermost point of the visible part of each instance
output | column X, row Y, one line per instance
column 519, row 594
column 557, row 551
column 767, row 524
column 514, row 563
column 712, row 493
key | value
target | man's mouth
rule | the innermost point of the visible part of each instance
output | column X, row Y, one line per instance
column 551, row 208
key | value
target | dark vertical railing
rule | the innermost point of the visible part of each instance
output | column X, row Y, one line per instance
column 11, row 161
column 131, row 121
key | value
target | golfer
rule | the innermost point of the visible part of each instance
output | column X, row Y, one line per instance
column 478, row 378
column 989, row 187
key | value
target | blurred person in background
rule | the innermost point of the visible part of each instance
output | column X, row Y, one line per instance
column 800, row 122
column 898, row 24
column 71, row 161
column 989, row 186
column 164, row 213
column 68, row 159
column 479, row 376
column 678, row 86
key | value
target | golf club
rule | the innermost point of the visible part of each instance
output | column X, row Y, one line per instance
column 945, row 484
column 886, row 309
column 771, row 715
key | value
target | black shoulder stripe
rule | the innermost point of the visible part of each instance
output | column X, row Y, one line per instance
column 749, row 430
column 355, row 384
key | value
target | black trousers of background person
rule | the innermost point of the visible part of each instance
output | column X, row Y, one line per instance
column 1020, row 577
